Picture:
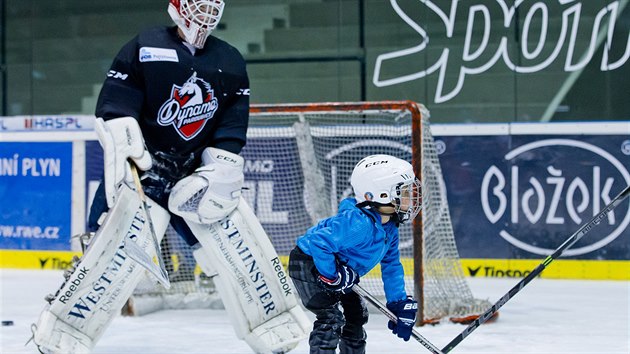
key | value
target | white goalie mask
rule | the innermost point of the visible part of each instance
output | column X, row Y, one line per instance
column 384, row 180
column 196, row 18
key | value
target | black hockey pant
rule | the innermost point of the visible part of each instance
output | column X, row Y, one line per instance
column 332, row 328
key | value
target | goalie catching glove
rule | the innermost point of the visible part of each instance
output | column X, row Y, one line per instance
column 212, row 192
column 405, row 311
column 121, row 140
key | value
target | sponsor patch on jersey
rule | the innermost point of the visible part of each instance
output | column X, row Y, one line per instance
column 158, row 54
column 189, row 107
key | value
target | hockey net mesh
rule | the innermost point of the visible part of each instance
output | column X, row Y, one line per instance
column 445, row 292
column 299, row 159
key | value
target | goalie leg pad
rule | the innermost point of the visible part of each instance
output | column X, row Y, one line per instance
column 256, row 291
column 102, row 280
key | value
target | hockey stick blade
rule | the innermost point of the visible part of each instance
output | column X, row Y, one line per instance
column 585, row 228
column 160, row 274
column 143, row 259
column 374, row 301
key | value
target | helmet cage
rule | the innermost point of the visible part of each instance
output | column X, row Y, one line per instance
column 407, row 200
column 196, row 18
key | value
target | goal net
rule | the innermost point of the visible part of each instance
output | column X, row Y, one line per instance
column 299, row 158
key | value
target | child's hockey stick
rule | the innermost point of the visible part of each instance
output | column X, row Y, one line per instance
column 557, row 253
column 374, row 301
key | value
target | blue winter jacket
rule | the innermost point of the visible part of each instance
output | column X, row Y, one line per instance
column 359, row 240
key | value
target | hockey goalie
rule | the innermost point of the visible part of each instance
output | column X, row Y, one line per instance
column 232, row 247
column 175, row 105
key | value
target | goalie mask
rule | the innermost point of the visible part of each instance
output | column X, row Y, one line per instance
column 384, row 180
column 196, row 18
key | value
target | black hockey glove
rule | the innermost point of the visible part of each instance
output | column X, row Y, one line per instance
column 405, row 310
column 346, row 278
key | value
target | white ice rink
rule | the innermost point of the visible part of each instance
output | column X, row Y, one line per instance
column 558, row 316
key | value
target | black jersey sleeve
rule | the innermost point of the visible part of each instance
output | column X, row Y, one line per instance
column 231, row 131
column 122, row 94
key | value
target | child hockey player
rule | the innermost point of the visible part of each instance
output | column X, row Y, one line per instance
column 329, row 259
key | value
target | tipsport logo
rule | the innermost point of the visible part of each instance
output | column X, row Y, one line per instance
column 579, row 181
column 488, row 40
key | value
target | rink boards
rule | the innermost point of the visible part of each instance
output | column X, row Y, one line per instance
column 515, row 192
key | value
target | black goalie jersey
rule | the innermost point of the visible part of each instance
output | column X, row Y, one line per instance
column 183, row 102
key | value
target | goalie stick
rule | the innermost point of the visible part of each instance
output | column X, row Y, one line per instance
column 134, row 251
column 585, row 228
column 374, row 301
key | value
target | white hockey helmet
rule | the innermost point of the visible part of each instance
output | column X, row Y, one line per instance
column 196, row 18
column 384, row 180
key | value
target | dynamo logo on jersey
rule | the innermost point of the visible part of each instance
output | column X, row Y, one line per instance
column 189, row 108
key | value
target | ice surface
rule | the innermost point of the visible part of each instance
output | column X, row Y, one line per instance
column 547, row 316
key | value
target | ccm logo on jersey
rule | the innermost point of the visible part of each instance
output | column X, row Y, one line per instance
column 117, row 75
column 158, row 54
column 243, row 92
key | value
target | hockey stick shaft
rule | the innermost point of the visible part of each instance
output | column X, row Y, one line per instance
column 585, row 228
column 374, row 301
column 162, row 275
